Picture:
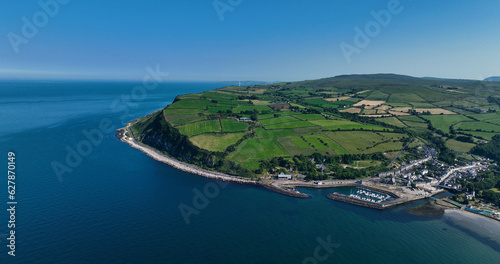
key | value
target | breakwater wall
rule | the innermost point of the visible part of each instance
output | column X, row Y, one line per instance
column 380, row 206
column 284, row 191
column 346, row 199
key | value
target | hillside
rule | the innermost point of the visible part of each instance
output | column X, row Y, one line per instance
column 493, row 79
column 347, row 126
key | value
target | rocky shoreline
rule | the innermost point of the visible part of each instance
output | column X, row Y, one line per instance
column 155, row 154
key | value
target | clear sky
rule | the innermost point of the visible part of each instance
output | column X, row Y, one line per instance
column 268, row 40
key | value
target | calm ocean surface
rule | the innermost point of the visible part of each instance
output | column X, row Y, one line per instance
column 120, row 206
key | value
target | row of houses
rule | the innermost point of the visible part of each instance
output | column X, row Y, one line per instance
column 402, row 170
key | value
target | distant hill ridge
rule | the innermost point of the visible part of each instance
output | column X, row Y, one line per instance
column 493, row 79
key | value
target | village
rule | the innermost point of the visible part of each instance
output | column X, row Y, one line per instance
column 416, row 180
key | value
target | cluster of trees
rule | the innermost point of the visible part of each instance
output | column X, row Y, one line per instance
column 414, row 112
column 493, row 100
column 466, row 139
column 490, row 150
column 445, row 155
column 483, row 184
column 304, row 164
column 491, row 196
column 253, row 97
column 486, row 180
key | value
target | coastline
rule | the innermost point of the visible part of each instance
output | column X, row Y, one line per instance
column 285, row 188
column 158, row 156
column 488, row 229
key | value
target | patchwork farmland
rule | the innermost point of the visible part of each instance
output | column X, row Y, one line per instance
column 340, row 116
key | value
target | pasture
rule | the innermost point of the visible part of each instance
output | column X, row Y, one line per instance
column 196, row 128
column 216, row 142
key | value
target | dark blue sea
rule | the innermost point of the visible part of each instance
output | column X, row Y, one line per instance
column 114, row 204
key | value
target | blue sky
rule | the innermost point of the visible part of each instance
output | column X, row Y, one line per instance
column 281, row 40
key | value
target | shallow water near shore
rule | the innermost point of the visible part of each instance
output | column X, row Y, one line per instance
column 120, row 206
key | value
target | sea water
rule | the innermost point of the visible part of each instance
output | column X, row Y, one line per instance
column 117, row 205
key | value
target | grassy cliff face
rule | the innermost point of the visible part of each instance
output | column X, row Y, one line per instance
column 357, row 119
column 158, row 133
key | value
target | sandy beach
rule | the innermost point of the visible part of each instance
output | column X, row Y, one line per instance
column 485, row 227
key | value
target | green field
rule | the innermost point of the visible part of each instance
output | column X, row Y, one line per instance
column 262, row 133
column 231, row 125
column 422, row 105
column 393, row 121
column 411, row 119
column 308, row 117
column 181, row 111
column 459, row 146
column 404, row 98
column 332, row 144
column 494, row 121
column 179, row 120
column 200, row 127
column 300, row 142
column 485, row 135
column 250, row 151
column 277, row 120
column 242, row 108
column 367, row 142
column 216, row 142
column 343, row 125
column 210, row 120
column 315, row 142
column 444, row 122
column 191, row 103
column 294, row 124
column 377, row 96
column 296, row 145
column 478, row 126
